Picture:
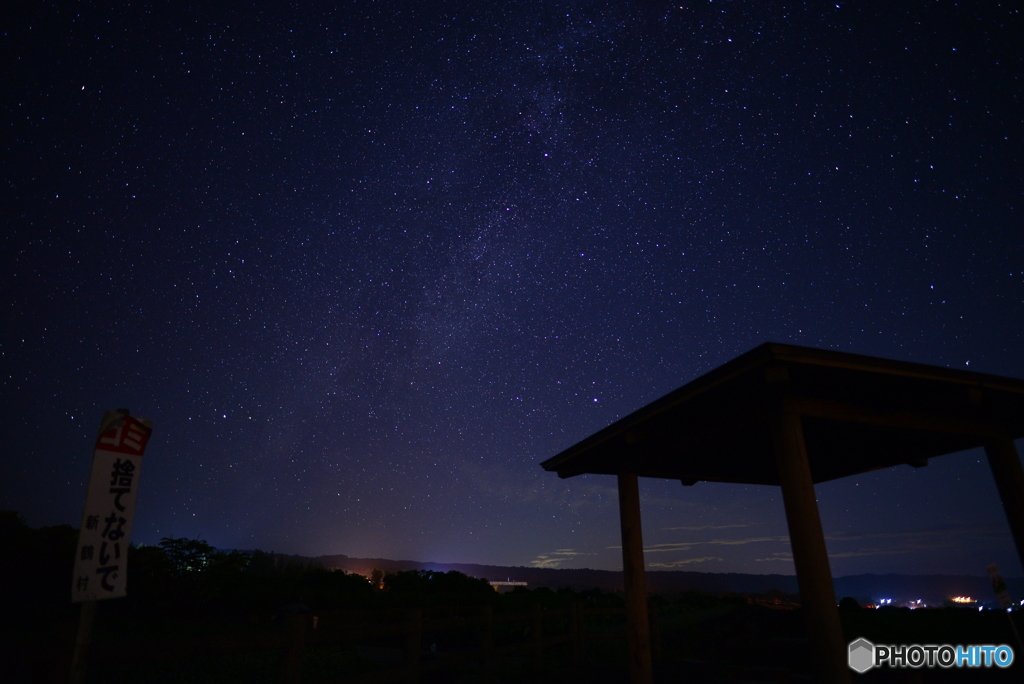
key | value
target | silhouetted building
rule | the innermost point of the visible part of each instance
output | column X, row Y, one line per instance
column 793, row 417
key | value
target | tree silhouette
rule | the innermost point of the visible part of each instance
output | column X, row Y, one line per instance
column 187, row 555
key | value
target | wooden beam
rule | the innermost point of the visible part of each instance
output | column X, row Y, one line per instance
column 907, row 420
column 673, row 474
column 809, row 552
column 637, row 629
column 1009, row 476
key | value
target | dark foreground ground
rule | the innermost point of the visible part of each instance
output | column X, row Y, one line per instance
column 724, row 643
column 184, row 590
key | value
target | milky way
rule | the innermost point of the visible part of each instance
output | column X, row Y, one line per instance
column 365, row 268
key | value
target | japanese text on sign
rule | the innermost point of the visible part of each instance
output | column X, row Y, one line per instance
column 101, row 560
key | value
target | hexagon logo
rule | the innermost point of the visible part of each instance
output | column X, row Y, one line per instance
column 862, row 655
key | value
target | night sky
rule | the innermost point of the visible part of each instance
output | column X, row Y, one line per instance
column 366, row 267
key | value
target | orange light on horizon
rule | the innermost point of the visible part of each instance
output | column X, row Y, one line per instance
column 962, row 599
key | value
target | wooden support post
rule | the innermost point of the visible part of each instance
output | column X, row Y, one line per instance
column 637, row 628
column 414, row 644
column 538, row 636
column 295, row 643
column 576, row 625
column 1009, row 477
column 808, row 543
column 655, row 633
column 83, row 639
column 487, row 643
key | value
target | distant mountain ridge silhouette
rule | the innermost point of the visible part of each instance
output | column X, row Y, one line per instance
column 931, row 589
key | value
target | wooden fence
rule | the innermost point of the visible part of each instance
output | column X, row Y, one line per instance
column 542, row 630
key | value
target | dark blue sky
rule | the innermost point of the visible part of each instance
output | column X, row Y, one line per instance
column 366, row 267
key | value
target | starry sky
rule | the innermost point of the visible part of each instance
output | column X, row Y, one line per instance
column 366, row 264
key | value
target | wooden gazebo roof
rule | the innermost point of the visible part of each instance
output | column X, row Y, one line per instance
column 859, row 413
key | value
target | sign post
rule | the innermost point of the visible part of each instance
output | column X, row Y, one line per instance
column 101, row 557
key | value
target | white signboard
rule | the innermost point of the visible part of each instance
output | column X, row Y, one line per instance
column 101, row 558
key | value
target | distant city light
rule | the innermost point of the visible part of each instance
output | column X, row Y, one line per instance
column 962, row 599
